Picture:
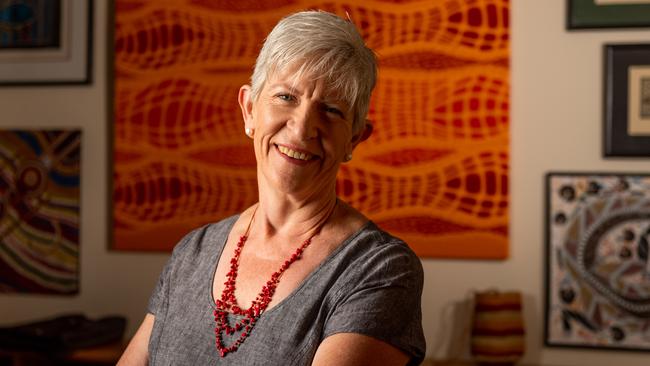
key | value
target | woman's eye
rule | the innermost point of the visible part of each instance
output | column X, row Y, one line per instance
column 334, row 111
column 285, row 97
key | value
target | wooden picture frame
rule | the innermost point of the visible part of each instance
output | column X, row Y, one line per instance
column 66, row 61
column 595, row 14
column 597, row 233
column 627, row 100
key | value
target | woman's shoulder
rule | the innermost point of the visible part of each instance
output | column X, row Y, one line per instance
column 372, row 251
column 368, row 234
column 377, row 239
column 205, row 236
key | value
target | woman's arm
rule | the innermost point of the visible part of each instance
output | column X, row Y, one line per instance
column 136, row 352
column 343, row 349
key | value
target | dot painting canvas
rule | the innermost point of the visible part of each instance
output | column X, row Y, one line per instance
column 39, row 211
column 598, row 273
column 434, row 172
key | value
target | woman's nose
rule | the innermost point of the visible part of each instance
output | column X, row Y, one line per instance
column 305, row 121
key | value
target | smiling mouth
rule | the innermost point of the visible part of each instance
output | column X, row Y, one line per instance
column 294, row 154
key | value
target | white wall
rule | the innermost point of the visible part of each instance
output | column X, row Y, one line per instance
column 556, row 125
column 111, row 282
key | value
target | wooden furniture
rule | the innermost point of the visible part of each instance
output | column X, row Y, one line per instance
column 431, row 362
column 103, row 355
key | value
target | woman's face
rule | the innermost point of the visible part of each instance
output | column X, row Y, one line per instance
column 301, row 133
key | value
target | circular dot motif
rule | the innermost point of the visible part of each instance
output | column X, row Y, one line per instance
column 31, row 179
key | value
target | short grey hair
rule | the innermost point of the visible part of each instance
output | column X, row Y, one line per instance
column 324, row 46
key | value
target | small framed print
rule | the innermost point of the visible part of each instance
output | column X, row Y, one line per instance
column 45, row 42
column 597, row 267
column 627, row 100
column 594, row 14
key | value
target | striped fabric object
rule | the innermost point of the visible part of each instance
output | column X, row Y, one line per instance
column 497, row 328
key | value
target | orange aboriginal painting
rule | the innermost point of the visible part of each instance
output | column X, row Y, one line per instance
column 435, row 171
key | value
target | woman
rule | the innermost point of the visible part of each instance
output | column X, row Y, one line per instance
column 301, row 277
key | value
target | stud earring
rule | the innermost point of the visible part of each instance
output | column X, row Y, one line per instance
column 249, row 132
column 348, row 157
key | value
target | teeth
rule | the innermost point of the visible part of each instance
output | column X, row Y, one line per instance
column 294, row 154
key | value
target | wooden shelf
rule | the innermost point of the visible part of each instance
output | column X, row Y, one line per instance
column 101, row 355
column 432, row 362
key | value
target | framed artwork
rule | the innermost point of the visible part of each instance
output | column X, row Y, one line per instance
column 45, row 42
column 597, row 268
column 434, row 172
column 39, row 211
column 593, row 14
column 627, row 100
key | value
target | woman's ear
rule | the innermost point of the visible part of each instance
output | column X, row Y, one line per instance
column 360, row 136
column 245, row 99
column 363, row 134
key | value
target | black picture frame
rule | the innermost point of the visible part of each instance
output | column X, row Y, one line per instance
column 626, row 130
column 586, row 14
column 70, row 63
column 586, row 214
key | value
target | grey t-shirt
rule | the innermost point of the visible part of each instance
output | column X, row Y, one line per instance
column 371, row 284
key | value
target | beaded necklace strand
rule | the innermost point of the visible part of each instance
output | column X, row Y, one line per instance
column 228, row 303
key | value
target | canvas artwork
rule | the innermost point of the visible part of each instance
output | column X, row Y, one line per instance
column 598, row 273
column 39, row 211
column 29, row 23
column 435, row 171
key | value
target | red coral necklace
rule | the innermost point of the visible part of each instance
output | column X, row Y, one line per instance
column 228, row 303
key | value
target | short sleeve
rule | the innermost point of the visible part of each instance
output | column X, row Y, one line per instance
column 157, row 299
column 382, row 299
column 159, row 296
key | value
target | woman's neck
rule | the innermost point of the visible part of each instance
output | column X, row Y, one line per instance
column 284, row 216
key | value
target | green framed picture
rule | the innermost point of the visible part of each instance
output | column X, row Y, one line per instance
column 593, row 14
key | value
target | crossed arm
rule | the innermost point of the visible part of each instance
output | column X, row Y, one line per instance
column 342, row 349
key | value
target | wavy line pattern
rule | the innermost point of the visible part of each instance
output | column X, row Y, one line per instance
column 435, row 174
column 39, row 211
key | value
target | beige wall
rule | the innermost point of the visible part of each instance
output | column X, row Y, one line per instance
column 556, row 125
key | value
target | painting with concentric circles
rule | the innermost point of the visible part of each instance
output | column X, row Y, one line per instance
column 598, row 272
column 434, row 172
column 39, row 211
